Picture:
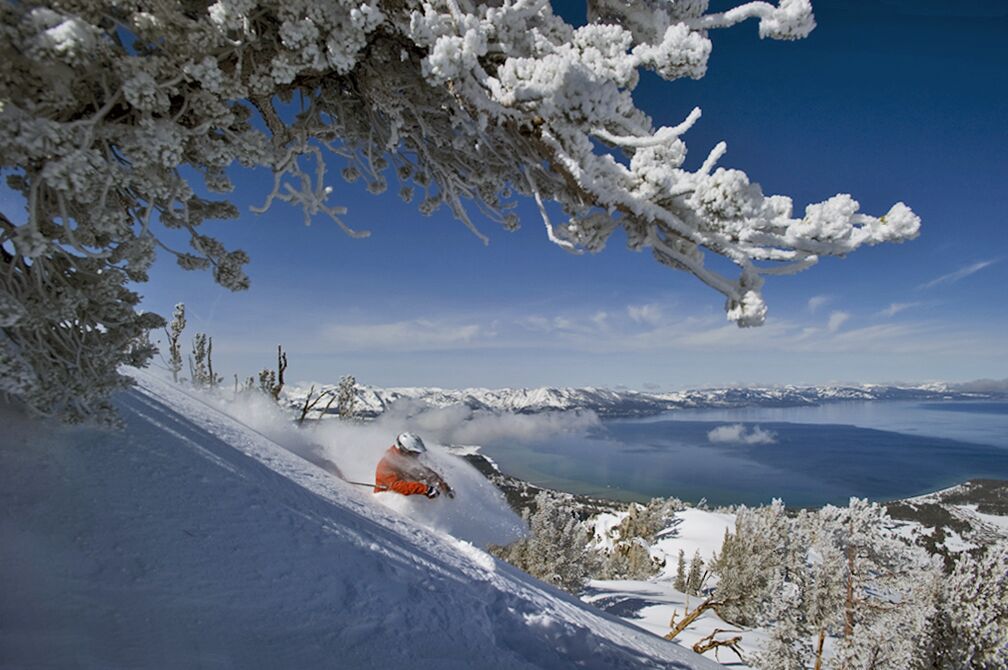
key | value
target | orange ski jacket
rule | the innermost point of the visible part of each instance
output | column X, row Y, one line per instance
column 404, row 474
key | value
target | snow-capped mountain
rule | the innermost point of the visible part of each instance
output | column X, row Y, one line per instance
column 372, row 401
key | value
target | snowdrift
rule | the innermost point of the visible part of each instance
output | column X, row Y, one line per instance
column 191, row 539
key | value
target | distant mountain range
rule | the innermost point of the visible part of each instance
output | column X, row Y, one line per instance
column 372, row 401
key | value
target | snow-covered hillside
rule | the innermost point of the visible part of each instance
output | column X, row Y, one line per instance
column 373, row 401
column 191, row 539
column 652, row 604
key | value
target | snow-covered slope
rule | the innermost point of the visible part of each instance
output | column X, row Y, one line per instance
column 372, row 401
column 192, row 540
column 653, row 603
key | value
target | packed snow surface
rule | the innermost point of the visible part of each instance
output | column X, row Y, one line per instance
column 653, row 603
column 192, row 539
column 996, row 520
column 696, row 530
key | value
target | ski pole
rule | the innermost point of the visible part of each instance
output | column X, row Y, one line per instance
column 372, row 486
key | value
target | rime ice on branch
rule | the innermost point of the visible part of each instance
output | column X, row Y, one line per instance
column 467, row 105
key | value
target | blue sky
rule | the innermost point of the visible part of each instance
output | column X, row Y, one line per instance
column 885, row 100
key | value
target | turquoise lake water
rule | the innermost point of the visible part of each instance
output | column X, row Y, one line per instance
column 809, row 456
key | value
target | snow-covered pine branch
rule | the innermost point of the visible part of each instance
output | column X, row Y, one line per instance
column 556, row 547
column 835, row 572
column 971, row 626
column 107, row 110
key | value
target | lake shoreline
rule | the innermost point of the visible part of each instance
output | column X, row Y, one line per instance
column 990, row 495
column 973, row 511
column 808, row 457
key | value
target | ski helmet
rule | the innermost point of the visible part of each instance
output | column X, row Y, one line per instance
column 410, row 443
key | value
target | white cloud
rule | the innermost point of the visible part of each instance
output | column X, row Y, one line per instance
column 560, row 324
column 817, row 301
column 536, row 323
column 460, row 424
column 899, row 338
column 650, row 314
column 604, row 333
column 413, row 335
column 961, row 273
column 736, row 433
column 836, row 319
column 895, row 308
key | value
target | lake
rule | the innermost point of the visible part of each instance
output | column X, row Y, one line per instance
column 807, row 456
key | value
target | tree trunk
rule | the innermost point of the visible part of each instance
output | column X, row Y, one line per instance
column 209, row 362
column 849, row 604
column 711, row 642
column 690, row 617
column 819, row 648
column 281, row 366
column 308, row 404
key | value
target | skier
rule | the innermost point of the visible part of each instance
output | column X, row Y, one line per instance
column 400, row 470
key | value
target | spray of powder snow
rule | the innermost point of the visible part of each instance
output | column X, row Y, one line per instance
column 460, row 424
column 737, row 434
column 478, row 514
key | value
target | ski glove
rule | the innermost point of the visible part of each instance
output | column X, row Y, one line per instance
column 432, row 492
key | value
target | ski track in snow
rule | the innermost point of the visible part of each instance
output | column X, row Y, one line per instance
column 191, row 540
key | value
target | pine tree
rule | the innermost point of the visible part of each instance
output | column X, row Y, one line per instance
column 873, row 567
column 267, row 380
column 750, row 561
column 787, row 647
column 647, row 521
column 201, row 369
column 680, row 578
column 556, row 548
column 346, row 397
column 693, row 580
column 174, row 333
column 972, row 616
column 197, row 362
column 843, row 575
column 629, row 559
